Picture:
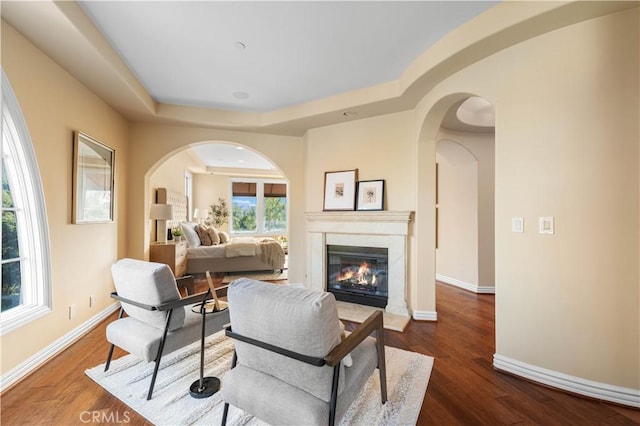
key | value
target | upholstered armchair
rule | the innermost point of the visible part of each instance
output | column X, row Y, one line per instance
column 289, row 346
column 158, row 320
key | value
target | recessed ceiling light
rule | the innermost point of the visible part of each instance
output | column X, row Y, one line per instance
column 240, row 95
column 349, row 113
column 239, row 147
column 240, row 161
column 239, row 45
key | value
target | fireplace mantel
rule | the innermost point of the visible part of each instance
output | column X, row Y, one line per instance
column 387, row 229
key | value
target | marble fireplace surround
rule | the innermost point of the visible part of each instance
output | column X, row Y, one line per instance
column 385, row 229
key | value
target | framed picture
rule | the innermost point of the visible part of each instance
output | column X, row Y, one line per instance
column 93, row 180
column 370, row 195
column 340, row 190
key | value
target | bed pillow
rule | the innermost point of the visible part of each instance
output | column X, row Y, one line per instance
column 224, row 237
column 189, row 231
column 203, row 233
column 213, row 235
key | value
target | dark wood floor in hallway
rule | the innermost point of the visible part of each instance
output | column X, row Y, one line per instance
column 464, row 389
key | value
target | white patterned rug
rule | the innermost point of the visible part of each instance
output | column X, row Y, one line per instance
column 128, row 380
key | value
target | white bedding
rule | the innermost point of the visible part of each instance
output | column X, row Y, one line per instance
column 206, row 252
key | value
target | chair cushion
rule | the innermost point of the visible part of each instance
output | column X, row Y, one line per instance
column 296, row 319
column 149, row 283
column 285, row 404
column 143, row 340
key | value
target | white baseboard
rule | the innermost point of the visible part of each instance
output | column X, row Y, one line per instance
column 467, row 286
column 25, row 368
column 602, row 391
column 425, row 315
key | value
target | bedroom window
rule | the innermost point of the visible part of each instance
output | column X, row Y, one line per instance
column 26, row 284
column 258, row 207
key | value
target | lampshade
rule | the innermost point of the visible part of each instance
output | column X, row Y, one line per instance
column 161, row 212
column 200, row 214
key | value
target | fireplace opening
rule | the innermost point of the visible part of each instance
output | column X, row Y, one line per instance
column 358, row 274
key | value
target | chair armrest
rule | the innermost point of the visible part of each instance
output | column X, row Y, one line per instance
column 114, row 295
column 318, row 362
column 190, row 300
column 373, row 323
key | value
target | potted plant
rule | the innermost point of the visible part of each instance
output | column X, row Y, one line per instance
column 177, row 233
column 218, row 213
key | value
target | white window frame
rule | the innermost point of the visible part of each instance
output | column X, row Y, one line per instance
column 31, row 215
column 259, row 206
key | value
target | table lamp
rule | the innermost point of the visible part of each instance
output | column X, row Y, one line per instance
column 161, row 213
column 200, row 214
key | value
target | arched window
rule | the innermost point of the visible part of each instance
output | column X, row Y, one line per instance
column 26, row 270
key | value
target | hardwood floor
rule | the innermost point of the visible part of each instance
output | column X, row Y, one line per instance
column 464, row 388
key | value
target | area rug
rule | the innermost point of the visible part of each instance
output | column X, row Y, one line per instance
column 128, row 380
column 260, row 276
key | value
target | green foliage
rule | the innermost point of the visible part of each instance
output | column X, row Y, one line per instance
column 244, row 220
column 275, row 214
column 11, row 277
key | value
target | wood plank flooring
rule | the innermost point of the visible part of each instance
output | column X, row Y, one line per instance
column 464, row 389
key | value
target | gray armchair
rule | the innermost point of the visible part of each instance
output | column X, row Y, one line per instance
column 287, row 365
column 158, row 320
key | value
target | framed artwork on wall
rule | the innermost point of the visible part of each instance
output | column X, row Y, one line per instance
column 370, row 195
column 93, row 180
column 340, row 190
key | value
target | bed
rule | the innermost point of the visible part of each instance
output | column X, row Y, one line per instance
column 240, row 254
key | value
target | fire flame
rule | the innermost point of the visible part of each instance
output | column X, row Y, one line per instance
column 361, row 274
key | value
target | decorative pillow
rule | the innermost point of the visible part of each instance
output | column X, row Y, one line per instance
column 213, row 235
column 224, row 237
column 189, row 231
column 203, row 233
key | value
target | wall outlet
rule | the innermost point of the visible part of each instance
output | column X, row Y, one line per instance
column 72, row 311
column 546, row 225
column 92, row 300
column 517, row 224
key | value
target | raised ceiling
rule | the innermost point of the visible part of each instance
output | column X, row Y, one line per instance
column 264, row 56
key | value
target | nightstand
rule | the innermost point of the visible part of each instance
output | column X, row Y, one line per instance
column 173, row 254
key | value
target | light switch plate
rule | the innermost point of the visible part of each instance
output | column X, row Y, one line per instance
column 517, row 224
column 546, row 225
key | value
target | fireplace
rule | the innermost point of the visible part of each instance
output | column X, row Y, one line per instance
column 358, row 274
column 386, row 230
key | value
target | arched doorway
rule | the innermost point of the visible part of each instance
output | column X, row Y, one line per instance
column 438, row 126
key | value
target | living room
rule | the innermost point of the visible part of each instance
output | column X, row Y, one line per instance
column 564, row 82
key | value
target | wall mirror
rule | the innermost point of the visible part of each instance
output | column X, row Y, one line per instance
column 93, row 177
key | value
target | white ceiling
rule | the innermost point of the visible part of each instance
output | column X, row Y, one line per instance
column 186, row 52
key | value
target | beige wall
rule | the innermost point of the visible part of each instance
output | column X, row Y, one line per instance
column 207, row 189
column 566, row 146
column 466, row 208
column 457, row 252
column 54, row 104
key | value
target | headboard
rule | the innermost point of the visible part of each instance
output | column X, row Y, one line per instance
column 178, row 201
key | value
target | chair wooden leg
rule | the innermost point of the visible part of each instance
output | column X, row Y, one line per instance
column 225, row 411
column 159, row 356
